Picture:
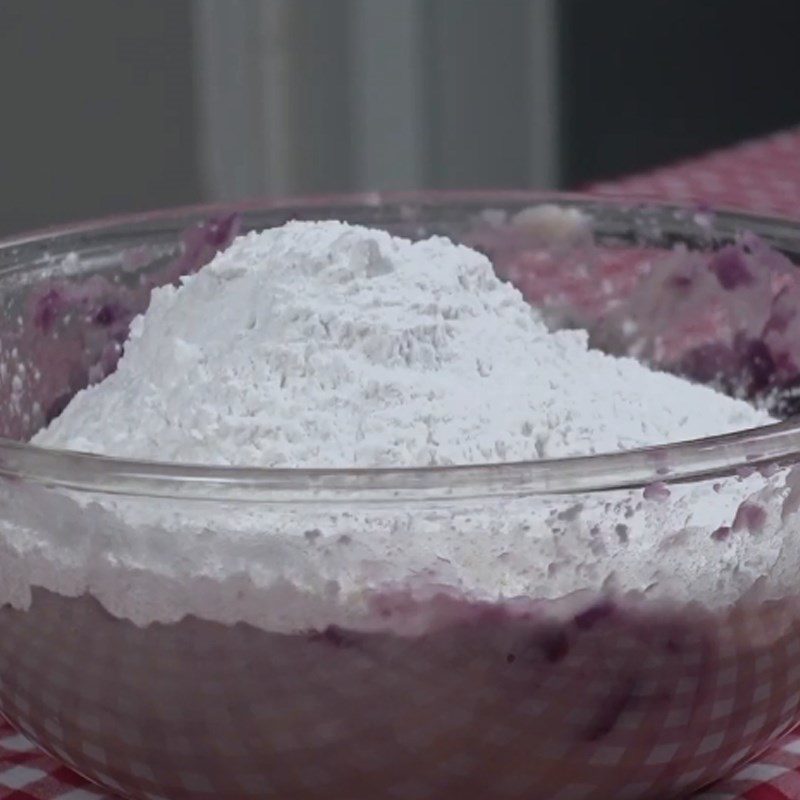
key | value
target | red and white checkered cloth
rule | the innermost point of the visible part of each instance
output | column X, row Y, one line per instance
column 763, row 176
column 28, row 774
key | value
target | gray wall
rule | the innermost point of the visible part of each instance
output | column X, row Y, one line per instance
column 119, row 105
column 98, row 110
column 336, row 95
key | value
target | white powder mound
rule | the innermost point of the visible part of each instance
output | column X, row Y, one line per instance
column 320, row 344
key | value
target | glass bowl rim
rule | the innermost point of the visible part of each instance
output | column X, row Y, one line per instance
column 700, row 459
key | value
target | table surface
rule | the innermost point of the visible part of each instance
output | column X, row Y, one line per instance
column 761, row 175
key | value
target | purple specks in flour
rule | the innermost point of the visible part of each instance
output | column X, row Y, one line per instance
column 587, row 619
column 89, row 299
column 757, row 364
column 106, row 363
column 553, row 645
column 57, row 406
column 658, row 491
column 334, row 636
column 721, row 533
column 681, row 283
column 750, row 516
column 783, row 311
column 202, row 242
column 108, row 314
column 708, row 362
column 221, row 231
column 730, row 267
column 748, row 363
column 47, row 310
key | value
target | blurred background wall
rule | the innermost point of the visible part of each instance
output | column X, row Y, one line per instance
column 97, row 108
column 120, row 105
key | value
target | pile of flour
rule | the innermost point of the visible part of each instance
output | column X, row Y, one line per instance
column 327, row 345
column 320, row 344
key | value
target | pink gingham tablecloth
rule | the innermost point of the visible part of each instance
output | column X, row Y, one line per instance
column 761, row 175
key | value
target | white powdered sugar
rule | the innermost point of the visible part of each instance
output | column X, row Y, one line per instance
column 327, row 345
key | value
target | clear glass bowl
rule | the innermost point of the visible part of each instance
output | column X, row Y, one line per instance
column 241, row 674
